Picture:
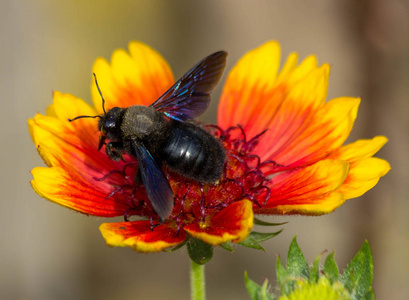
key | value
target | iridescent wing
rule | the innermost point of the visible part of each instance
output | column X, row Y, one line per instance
column 156, row 184
column 189, row 97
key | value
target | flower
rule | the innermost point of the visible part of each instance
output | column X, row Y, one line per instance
column 320, row 290
column 283, row 145
column 297, row 279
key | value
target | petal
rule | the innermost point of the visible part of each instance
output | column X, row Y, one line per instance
column 139, row 235
column 295, row 114
column 257, row 99
column 54, row 130
column 71, row 149
column 253, row 93
column 249, row 83
column 360, row 149
column 363, row 175
column 310, row 190
column 316, row 206
column 327, row 131
column 365, row 170
column 61, row 144
column 71, row 145
column 55, row 125
column 56, row 185
column 289, row 66
column 308, row 65
column 138, row 78
column 66, row 106
column 234, row 223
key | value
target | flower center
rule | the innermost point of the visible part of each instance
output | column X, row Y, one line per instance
column 243, row 178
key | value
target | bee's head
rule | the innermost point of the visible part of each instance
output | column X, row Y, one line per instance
column 110, row 125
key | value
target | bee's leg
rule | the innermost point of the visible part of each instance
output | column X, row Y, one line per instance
column 138, row 177
column 114, row 150
column 153, row 225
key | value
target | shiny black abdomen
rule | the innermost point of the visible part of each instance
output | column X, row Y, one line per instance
column 194, row 153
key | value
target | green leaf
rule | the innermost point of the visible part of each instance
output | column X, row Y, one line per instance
column 264, row 294
column 370, row 295
column 249, row 242
column 358, row 275
column 227, row 246
column 255, row 238
column 331, row 268
column 297, row 269
column 252, row 287
column 264, row 223
column 355, row 283
column 296, row 263
column 314, row 273
column 281, row 271
column 255, row 291
column 199, row 251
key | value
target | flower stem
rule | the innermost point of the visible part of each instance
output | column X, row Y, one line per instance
column 197, row 281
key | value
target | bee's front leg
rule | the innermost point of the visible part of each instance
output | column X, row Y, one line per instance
column 115, row 150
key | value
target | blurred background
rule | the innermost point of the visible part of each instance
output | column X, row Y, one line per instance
column 48, row 252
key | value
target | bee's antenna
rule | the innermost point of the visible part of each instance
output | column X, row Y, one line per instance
column 103, row 100
column 80, row 117
column 103, row 104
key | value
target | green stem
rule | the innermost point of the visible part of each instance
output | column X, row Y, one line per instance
column 197, row 281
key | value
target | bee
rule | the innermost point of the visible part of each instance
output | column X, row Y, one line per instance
column 164, row 133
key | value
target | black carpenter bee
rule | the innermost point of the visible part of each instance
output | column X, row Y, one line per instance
column 163, row 133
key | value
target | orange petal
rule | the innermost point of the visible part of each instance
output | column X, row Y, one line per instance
column 295, row 114
column 71, row 145
column 363, row 175
column 234, row 223
column 58, row 186
column 249, row 84
column 365, row 170
column 54, row 129
column 326, row 132
column 60, row 140
column 289, row 66
column 67, row 106
column 310, row 190
column 257, row 98
column 254, row 93
column 316, row 206
column 360, row 149
column 70, row 149
column 59, row 145
column 139, row 236
column 308, row 65
column 137, row 78
column 64, row 107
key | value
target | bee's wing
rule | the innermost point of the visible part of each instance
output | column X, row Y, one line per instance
column 156, row 184
column 189, row 97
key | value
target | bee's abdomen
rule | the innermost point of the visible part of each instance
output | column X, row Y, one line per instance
column 194, row 153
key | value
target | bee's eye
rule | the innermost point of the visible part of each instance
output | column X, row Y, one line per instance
column 110, row 123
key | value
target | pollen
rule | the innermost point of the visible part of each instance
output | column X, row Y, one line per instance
column 202, row 225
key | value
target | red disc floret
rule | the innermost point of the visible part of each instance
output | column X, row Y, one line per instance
column 243, row 178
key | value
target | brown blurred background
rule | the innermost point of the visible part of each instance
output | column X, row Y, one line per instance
column 48, row 252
